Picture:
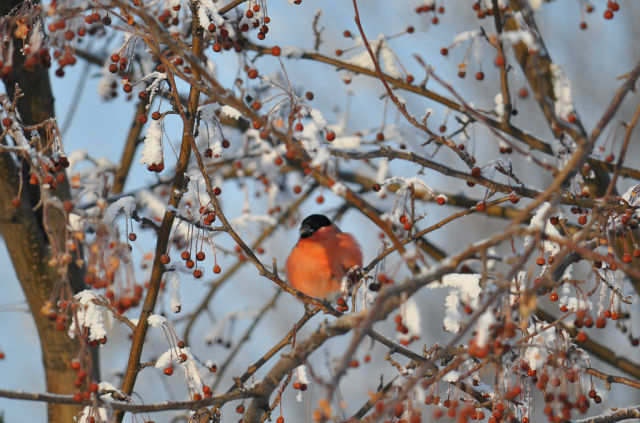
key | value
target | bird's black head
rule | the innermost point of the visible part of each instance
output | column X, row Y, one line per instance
column 312, row 223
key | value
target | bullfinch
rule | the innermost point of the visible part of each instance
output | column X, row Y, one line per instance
column 322, row 257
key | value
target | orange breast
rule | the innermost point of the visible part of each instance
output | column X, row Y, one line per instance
column 309, row 269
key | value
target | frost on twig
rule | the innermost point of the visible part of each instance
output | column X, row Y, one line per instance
column 466, row 289
column 152, row 152
column 95, row 318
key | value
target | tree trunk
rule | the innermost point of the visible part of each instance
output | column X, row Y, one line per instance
column 24, row 232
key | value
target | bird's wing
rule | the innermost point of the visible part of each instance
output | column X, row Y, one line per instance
column 349, row 250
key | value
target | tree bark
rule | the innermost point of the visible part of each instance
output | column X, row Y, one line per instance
column 24, row 232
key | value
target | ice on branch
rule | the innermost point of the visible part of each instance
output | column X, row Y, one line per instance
column 351, row 142
column 411, row 318
column 174, row 292
column 230, row 112
column 91, row 316
column 167, row 358
column 389, row 62
column 538, row 222
column 521, row 35
column 108, row 84
column 184, row 358
column 419, row 187
column 35, row 39
column 387, row 56
column 301, row 376
column 488, row 4
column 151, row 201
column 537, row 350
column 152, row 89
column 339, row 189
column 322, row 156
column 77, row 223
column 152, row 153
column 15, row 129
column 632, row 196
column 107, row 390
column 535, row 4
column 292, row 52
column 383, row 169
column 466, row 289
column 562, row 91
column 156, row 321
column 451, row 377
column 466, row 35
column 76, row 157
column 499, row 107
column 572, row 302
column 92, row 414
column 467, row 283
column 482, row 328
column 452, row 315
column 125, row 204
column 318, row 118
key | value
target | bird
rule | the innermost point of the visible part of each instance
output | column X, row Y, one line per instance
column 322, row 257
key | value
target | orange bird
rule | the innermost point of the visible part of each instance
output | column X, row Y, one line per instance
column 322, row 257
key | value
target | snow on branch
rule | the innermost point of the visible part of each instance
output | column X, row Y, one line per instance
column 89, row 315
column 615, row 415
column 126, row 205
column 562, row 91
column 152, row 152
